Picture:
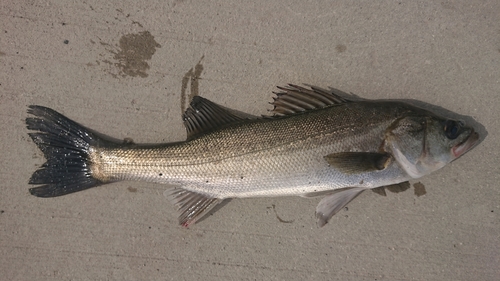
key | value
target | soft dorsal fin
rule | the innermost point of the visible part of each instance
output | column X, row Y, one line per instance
column 204, row 116
column 295, row 99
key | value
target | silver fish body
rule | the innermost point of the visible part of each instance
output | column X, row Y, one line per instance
column 265, row 157
column 317, row 142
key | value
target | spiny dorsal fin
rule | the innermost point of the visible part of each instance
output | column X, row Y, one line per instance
column 204, row 116
column 295, row 99
column 192, row 206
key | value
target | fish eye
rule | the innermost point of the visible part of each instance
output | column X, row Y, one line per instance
column 452, row 129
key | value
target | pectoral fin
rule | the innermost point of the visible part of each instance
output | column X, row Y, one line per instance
column 358, row 162
column 192, row 206
column 333, row 203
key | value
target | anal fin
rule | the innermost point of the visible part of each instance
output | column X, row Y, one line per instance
column 333, row 203
column 191, row 206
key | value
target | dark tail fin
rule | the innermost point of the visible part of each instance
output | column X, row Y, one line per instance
column 66, row 146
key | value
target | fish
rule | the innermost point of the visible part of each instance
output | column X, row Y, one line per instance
column 314, row 142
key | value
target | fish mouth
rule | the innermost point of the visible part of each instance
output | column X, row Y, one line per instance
column 465, row 145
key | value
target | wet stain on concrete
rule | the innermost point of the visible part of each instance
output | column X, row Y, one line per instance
column 278, row 217
column 380, row 190
column 394, row 188
column 419, row 189
column 138, row 23
column 132, row 189
column 341, row 48
column 135, row 51
column 192, row 75
column 400, row 187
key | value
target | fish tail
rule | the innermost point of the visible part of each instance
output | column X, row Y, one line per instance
column 66, row 146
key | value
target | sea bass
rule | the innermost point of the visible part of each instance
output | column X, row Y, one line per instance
column 315, row 142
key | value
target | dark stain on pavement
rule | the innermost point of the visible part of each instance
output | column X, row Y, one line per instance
column 341, row 48
column 192, row 75
column 394, row 188
column 399, row 187
column 419, row 189
column 135, row 50
column 278, row 217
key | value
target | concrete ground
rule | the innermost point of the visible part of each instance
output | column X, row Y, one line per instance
column 128, row 68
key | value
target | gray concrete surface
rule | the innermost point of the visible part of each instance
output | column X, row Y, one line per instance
column 126, row 68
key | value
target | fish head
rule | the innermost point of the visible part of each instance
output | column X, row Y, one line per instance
column 424, row 142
